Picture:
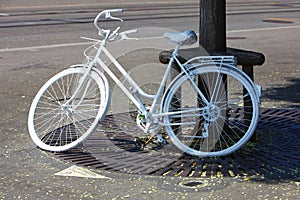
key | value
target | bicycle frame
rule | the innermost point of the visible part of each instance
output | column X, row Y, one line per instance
column 136, row 91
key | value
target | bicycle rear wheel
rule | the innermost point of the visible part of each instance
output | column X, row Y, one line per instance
column 57, row 123
column 211, row 129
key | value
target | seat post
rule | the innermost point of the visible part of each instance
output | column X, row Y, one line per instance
column 175, row 52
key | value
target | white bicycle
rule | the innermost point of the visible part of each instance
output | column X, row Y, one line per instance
column 194, row 110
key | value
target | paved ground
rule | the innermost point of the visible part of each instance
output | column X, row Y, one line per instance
column 29, row 173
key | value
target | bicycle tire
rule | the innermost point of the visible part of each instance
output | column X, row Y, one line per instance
column 228, row 90
column 54, row 126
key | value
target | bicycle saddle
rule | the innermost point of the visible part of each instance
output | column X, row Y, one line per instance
column 188, row 37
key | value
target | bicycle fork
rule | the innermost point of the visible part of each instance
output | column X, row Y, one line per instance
column 84, row 84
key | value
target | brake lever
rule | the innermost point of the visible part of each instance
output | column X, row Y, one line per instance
column 115, row 34
column 109, row 16
column 124, row 36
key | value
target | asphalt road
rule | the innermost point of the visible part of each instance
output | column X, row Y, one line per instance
column 38, row 39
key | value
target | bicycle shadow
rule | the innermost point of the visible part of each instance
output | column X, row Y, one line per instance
column 274, row 157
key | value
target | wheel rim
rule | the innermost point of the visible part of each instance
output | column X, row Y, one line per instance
column 56, row 123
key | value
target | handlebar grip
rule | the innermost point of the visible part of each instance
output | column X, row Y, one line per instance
column 115, row 10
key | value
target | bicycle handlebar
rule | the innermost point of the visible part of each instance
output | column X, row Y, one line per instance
column 107, row 16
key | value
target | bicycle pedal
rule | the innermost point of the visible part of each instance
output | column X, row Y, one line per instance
column 161, row 141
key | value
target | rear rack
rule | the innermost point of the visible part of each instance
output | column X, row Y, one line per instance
column 213, row 59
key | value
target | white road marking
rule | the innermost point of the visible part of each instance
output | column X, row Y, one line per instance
column 44, row 47
column 81, row 172
column 263, row 29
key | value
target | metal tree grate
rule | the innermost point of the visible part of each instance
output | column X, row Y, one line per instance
column 276, row 154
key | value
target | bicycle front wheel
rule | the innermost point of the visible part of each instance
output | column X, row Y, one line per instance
column 59, row 120
column 217, row 127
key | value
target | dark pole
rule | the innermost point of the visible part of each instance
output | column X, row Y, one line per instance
column 212, row 25
column 212, row 37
